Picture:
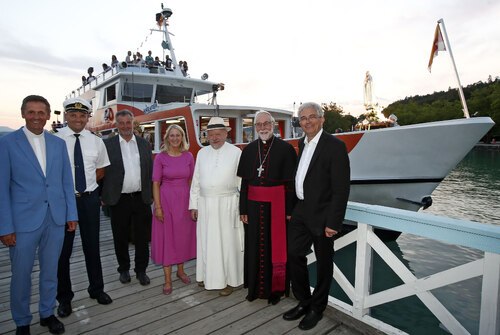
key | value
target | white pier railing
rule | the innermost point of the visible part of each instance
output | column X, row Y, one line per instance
column 465, row 233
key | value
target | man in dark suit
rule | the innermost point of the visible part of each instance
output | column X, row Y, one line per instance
column 127, row 190
column 37, row 201
column 322, row 185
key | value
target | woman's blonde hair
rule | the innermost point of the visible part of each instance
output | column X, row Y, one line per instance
column 166, row 146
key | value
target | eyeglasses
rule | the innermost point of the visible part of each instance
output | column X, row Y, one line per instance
column 264, row 124
column 311, row 117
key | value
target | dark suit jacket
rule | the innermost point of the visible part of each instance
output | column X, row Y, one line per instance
column 327, row 184
column 115, row 172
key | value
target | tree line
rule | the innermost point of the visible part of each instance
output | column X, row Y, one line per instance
column 483, row 99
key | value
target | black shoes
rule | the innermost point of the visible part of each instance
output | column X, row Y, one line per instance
column 64, row 309
column 55, row 326
column 273, row 299
column 124, row 277
column 310, row 320
column 143, row 278
column 103, row 298
column 295, row 313
column 23, row 330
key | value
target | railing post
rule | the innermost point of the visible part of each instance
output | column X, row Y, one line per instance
column 489, row 322
column 363, row 271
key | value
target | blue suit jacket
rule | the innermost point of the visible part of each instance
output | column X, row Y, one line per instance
column 25, row 192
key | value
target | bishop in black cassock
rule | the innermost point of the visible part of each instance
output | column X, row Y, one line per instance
column 267, row 197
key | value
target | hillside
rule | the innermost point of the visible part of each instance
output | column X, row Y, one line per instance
column 483, row 99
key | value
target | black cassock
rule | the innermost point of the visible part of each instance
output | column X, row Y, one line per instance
column 278, row 162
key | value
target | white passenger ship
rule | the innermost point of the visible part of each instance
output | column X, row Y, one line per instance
column 397, row 167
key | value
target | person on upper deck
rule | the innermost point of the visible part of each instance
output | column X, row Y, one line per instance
column 168, row 63
column 181, row 67
column 149, row 59
column 139, row 60
column 127, row 59
column 114, row 61
column 185, row 68
column 90, row 77
column 157, row 61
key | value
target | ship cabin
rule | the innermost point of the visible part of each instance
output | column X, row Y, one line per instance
column 159, row 97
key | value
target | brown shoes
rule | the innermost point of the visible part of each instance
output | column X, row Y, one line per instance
column 226, row 291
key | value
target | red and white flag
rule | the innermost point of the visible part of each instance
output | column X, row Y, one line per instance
column 437, row 45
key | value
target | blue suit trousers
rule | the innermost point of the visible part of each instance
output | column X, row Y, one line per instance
column 47, row 240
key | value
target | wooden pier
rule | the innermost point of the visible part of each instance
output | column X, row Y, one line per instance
column 140, row 309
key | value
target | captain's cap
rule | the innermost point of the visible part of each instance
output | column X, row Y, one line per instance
column 217, row 123
column 77, row 105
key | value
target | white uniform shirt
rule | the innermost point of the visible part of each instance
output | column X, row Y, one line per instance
column 131, row 164
column 38, row 144
column 305, row 160
column 94, row 154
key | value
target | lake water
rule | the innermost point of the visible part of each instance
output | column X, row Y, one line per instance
column 472, row 192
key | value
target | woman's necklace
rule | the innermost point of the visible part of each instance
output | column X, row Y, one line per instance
column 260, row 169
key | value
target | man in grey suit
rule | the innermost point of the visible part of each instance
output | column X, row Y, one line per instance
column 37, row 201
column 127, row 191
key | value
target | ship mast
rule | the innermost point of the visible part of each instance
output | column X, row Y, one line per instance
column 167, row 42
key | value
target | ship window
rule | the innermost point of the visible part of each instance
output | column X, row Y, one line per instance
column 147, row 131
column 137, row 92
column 180, row 121
column 248, row 131
column 110, row 93
column 166, row 94
column 228, row 122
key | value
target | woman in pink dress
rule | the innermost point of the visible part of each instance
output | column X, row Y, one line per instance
column 173, row 238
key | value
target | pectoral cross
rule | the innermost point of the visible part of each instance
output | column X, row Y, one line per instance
column 260, row 169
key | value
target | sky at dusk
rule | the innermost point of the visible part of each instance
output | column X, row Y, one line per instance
column 267, row 53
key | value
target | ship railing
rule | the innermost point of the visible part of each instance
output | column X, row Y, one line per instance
column 105, row 75
column 483, row 237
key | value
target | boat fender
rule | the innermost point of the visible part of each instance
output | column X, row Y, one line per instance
column 425, row 202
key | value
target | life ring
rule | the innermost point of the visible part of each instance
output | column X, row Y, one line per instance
column 109, row 115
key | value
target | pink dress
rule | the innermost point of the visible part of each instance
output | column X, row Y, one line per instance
column 173, row 241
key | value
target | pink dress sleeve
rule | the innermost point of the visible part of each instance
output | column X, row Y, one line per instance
column 158, row 168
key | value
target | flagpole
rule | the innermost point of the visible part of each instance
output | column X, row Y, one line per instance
column 460, row 90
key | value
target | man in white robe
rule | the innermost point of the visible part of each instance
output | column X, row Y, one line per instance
column 214, row 203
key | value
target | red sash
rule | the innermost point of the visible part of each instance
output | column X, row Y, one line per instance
column 276, row 196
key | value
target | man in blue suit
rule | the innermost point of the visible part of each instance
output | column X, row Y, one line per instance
column 37, row 201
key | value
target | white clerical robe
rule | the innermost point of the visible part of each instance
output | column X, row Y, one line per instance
column 219, row 239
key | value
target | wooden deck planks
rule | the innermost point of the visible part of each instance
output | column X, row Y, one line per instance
column 145, row 310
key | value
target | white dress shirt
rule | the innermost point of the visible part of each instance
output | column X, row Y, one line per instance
column 131, row 164
column 38, row 144
column 305, row 160
column 95, row 155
